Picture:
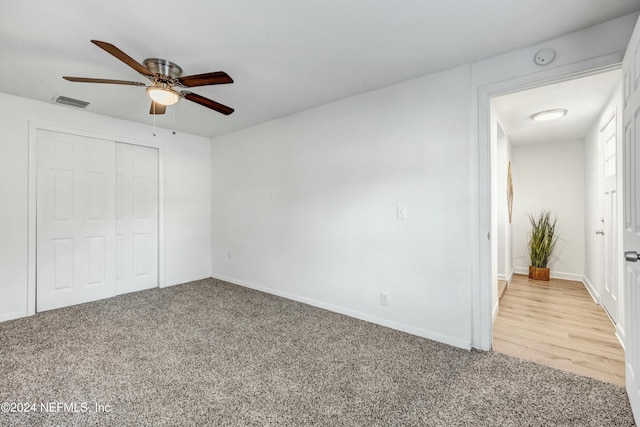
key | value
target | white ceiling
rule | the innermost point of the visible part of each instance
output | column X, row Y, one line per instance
column 284, row 55
column 584, row 98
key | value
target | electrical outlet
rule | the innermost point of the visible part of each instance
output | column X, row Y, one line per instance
column 384, row 298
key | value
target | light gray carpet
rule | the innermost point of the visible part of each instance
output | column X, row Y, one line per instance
column 212, row 353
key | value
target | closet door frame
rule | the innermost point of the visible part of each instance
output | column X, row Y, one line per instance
column 32, row 200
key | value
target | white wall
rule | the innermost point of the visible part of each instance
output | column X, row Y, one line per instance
column 187, row 209
column 185, row 172
column 307, row 206
column 500, row 158
column 495, row 229
column 505, row 244
column 501, row 246
column 498, row 185
column 550, row 176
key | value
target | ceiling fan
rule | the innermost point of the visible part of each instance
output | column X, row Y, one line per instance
column 164, row 76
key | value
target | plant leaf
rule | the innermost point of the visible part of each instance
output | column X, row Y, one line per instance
column 542, row 239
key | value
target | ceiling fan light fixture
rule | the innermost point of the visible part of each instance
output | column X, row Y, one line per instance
column 164, row 75
column 547, row 115
column 163, row 95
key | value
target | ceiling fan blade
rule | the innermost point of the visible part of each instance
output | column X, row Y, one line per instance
column 157, row 108
column 215, row 78
column 123, row 57
column 90, row 80
column 206, row 102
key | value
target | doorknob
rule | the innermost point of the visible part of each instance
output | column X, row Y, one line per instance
column 631, row 256
column 600, row 232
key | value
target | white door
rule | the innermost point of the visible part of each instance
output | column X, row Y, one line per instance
column 631, row 239
column 610, row 223
column 75, row 228
column 136, row 218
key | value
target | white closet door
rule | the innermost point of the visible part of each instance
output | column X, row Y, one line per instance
column 75, row 219
column 136, row 218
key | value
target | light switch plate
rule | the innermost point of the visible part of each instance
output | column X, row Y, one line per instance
column 384, row 298
column 401, row 212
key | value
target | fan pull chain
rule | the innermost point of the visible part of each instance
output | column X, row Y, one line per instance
column 154, row 118
column 173, row 110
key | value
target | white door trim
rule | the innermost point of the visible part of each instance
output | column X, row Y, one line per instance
column 31, row 256
column 481, row 310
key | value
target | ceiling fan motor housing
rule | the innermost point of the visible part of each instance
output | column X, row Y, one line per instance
column 163, row 67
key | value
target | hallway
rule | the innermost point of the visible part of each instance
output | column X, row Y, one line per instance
column 557, row 324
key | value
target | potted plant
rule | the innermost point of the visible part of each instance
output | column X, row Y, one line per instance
column 542, row 241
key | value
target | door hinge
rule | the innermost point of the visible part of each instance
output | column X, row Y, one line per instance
column 488, row 235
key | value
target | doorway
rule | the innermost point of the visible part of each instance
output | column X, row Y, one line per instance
column 567, row 167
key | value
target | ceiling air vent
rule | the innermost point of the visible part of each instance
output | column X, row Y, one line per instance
column 72, row 102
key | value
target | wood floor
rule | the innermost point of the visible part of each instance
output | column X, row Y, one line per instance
column 557, row 324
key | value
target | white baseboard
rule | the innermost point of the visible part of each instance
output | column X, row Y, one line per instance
column 166, row 284
column 621, row 337
column 554, row 274
column 12, row 316
column 511, row 273
column 520, row 270
column 596, row 298
column 565, row 276
column 496, row 307
column 352, row 313
column 507, row 277
column 591, row 289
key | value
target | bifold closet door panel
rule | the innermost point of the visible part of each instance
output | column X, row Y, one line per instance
column 136, row 218
column 75, row 228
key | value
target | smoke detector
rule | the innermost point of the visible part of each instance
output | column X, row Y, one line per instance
column 544, row 57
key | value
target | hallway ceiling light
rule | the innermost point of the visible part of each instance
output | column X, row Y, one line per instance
column 546, row 115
